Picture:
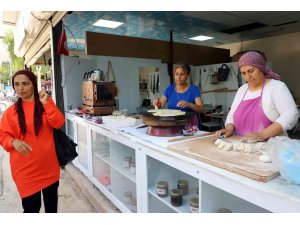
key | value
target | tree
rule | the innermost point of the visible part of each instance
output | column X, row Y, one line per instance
column 17, row 63
column 5, row 73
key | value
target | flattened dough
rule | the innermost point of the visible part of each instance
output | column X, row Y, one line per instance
column 167, row 112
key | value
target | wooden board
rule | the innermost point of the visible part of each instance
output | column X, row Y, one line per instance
column 204, row 149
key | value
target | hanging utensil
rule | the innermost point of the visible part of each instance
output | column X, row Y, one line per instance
column 151, row 82
column 153, row 88
column 157, row 83
column 199, row 79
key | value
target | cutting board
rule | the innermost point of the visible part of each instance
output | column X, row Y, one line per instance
column 204, row 149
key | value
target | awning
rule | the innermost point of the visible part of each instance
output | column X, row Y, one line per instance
column 33, row 34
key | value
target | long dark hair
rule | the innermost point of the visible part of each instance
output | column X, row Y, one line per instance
column 38, row 106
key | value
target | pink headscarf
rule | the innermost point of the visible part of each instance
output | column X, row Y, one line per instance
column 257, row 60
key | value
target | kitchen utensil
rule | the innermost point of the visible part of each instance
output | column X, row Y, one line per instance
column 191, row 137
column 157, row 83
column 141, row 126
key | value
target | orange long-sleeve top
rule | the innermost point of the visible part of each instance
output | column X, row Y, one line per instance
column 40, row 167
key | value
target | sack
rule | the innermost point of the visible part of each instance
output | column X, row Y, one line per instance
column 285, row 155
column 64, row 146
column 223, row 72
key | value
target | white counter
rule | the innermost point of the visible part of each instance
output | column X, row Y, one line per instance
column 219, row 188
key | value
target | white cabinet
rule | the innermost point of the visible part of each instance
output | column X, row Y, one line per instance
column 127, row 169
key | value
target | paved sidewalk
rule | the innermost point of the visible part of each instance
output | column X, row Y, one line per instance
column 76, row 193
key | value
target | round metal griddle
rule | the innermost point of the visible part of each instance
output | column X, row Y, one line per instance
column 165, row 131
column 155, row 122
column 165, row 126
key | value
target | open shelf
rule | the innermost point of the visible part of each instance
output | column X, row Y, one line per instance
column 184, row 208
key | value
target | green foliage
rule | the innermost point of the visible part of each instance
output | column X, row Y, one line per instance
column 44, row 69
column 5, row 73
column 17, row 63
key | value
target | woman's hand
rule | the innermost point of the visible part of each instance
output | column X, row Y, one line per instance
column 183, row 104
column 43, row 97
column 254, row 137
column 21, row 146
column 225, row 132
column 157, row 103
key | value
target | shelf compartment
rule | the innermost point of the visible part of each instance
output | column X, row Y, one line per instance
column 157, row 206
column 102, row 173
column 121, row 185
column 214, row 198
column 184, row 208
column 100, row 147
column 157, row 171
column 82, row 145
column 118, row 153
column 70, row 128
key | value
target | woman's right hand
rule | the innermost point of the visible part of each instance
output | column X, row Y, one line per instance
column 21, row 146
column 225, row 132
column 157, row 103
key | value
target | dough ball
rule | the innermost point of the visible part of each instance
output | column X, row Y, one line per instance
column 228, row 147
column 235, row 146
column 218, row 141
column 221, row 144
column 265, row 158
column 240, row 147
column 248, row 149
column 260, row 146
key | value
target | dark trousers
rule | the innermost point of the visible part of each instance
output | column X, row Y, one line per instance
column 32, row 203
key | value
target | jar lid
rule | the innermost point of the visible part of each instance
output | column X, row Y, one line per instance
column 183, row 182
column 224, row 210
column 195, row 201
column 176, row 192
column 162, row 183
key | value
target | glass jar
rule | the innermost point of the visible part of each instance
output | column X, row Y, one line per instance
column 133, row 205
column 176, row 197
column 224, row 210
column 126, row 162
column 183, row 185
column 132, row 168
column 162, row 188
column 194, row 205
column 127, row 197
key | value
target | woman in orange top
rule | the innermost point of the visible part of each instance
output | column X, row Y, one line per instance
column 26, row 132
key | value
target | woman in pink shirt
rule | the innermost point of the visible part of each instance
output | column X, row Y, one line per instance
column 263, row 107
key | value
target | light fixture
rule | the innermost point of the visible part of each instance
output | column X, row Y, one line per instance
column 107, row 23
column 201, row 38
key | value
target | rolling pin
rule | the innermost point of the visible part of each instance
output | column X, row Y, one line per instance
column 191, row 137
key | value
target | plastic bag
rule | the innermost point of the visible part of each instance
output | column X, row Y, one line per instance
column 285, row 155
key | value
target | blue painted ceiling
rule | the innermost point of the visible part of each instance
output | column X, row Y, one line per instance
column 157, row 25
